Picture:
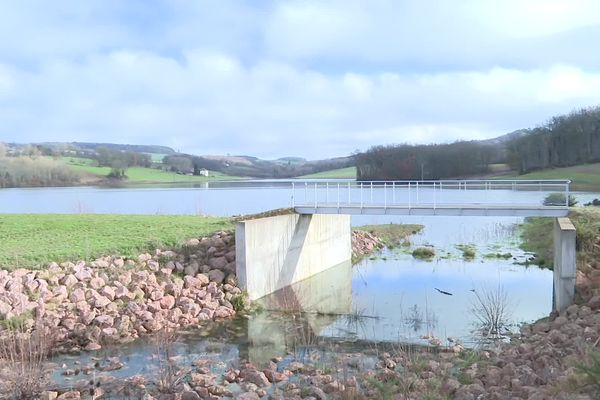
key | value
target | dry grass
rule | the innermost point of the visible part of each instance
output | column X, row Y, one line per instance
column 24, row 373
column 169, row 375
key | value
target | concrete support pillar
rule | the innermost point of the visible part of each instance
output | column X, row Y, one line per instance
column 275, row 252
column 565, row 264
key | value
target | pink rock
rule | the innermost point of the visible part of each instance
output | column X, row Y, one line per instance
column 153, row 325
column 108, row 292
column 203, row 278
column 256, row 377
column 191, row 282
column 77, row 295
column 68, row 323
column 156, row 295
column 83, row 275
column 167, row 302
column 123, row 292
column 274, row 376
column 87, row 317
column 154, row 306
column 69, row 280
column 223, row 312
column 594, row 303
column 109, row 332
column 100, row 301
column 97, row 283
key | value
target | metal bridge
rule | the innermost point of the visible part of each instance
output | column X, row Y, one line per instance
column 448, row 197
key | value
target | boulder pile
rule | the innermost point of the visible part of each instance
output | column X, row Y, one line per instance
column 117, row 299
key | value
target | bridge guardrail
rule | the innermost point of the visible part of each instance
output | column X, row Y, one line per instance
column 427, row 194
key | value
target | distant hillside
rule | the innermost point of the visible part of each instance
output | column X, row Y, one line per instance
column 253, row 167
column 90, row 147
column 138, row 148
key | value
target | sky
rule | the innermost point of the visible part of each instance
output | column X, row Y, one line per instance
column 313, row 79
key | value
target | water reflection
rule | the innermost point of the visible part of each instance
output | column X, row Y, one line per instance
column 304, row 309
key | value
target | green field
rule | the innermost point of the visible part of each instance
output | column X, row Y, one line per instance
column 586, row 176
column 27, row 240
column 140, row 174
column 391, row 234
column 341, row 173
column 537, row 235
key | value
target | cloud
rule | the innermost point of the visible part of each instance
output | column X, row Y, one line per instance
column 307, row 78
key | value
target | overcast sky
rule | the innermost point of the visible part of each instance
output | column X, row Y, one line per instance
column 291, row 78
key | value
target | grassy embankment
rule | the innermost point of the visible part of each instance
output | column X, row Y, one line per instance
column 141, row 174
column 342, row 173
column 391, row 235
column 537, row 234
column 29, row 240
column 583, row 177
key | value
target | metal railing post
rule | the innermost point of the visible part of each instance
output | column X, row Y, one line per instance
column 394, row 192
column 371, row 193
column 316, row 184
column 567, row 194
column 293, row 193
column 434, row 200
column 349, row 200
column 338, row 196
column 409, row 200
column 327, row 192
column 305, row 192
column 361, row 195
column 417, row 188
column 384, row 194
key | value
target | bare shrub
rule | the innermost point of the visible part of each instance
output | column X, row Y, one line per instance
column 169, row 375
column 24, row 373
column 492, row 309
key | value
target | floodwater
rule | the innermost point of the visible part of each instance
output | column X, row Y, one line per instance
column 389, row 298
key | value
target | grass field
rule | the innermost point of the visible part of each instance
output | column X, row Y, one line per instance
column 391, row 234
column 27, row 240
column 140, row 174
column 342, row 173
column 586, row 176
column 537, row 235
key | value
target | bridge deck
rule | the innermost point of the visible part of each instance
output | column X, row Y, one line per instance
column 496, row 210
column 478, row 198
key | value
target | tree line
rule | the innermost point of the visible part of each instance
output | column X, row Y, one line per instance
column 563, row 141
column 417, row 162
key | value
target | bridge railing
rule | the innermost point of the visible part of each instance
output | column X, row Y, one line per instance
column 431, row 194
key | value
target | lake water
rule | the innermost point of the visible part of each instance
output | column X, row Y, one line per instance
column 392, row 298
column 211, row 198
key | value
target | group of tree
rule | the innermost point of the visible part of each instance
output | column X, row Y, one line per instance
column 120, row 160
column 31, row 170
column 417, row 162
column 563, row 141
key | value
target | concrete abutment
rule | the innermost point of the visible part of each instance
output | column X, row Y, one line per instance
column 565, row 264
column 275, row 252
